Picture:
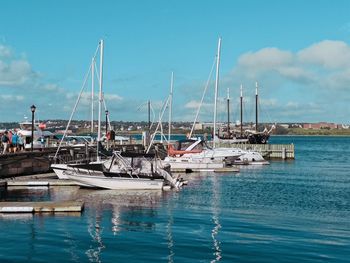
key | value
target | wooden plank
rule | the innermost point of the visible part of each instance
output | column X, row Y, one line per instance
column 226, row 170
column 40, row 207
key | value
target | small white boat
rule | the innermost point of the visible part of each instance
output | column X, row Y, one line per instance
column 61, row 169
column 117, row 183
column 119, row 173
column 194, row 155
column 40, row 136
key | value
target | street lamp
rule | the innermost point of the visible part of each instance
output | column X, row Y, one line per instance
column 32, row 108
column 106, row 122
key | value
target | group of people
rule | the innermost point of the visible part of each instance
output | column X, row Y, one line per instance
column 11, row 142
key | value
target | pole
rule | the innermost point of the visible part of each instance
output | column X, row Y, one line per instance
column 31, row 146
column 241, row 110
column 171, row 104
column 106, row 122
column 92, row 94
column 228, row 112
column 216, row 89
column 149, row 117
column 100, row 98
column 256, row 106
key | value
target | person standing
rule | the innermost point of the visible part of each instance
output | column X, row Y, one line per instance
column 9, row 135
column 20, row 143
column 5, row 141
column 14, row 142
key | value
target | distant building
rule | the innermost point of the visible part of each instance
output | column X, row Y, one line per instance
column 320, row 125
column 198, row 126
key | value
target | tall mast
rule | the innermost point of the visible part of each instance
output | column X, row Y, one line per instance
column 216, row 89
column 149, row 116
column 256, row 106
column 92, row 93
column 100, row 97
column 241, row 110
column 149, row 122
column 228, row 112
column 171, row 103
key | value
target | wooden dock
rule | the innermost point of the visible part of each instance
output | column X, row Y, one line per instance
column 41, row 207
column 269, row 151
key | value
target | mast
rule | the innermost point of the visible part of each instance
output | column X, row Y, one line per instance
column 170, row 104
column 92, row 93
column 149, row 117
column 241, row 110
column 100, row 97
column 216, row 89
column 228, row 112
column 256, row 106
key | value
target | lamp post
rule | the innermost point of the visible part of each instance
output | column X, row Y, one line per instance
column 106, row 122
column 32, row 108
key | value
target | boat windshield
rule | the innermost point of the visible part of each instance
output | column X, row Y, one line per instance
column 189, row 145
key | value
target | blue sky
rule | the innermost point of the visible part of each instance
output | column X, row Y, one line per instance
column 298, row 51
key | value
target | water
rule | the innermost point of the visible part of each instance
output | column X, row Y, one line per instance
column 293, row 211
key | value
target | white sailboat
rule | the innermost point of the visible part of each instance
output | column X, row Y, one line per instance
column 194, row 155
column 197, row 156
column 117, row 172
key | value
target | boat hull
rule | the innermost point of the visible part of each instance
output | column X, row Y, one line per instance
column 59, row 170
column 117, row 183
column 181, row 163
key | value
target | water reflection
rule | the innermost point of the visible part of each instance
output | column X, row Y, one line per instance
column 95, row 230
column 125, row 211
column 215, row 219
column 169, row 233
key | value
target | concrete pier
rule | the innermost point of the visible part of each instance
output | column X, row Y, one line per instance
column 41, row 207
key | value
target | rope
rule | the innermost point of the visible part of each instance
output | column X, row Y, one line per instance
column 204, row 92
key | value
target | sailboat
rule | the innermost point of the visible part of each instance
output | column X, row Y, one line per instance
column 116, row 172
column 226, row 135
column 194, row 154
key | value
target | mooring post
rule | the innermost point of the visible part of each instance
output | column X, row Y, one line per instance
column 284, row 153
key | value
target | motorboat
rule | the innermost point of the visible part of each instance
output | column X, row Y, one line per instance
column 195, row 154
column 40, row 135
column 119, row 173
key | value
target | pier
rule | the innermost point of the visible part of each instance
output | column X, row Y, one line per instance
column 36, row 162
column 41, row 207
column 268, row 151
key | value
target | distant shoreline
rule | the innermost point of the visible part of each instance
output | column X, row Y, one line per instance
column 311, row 135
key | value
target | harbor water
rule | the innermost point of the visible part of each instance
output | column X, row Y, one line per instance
column 289, row 211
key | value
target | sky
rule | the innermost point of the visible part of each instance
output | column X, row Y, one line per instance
column 298, row 51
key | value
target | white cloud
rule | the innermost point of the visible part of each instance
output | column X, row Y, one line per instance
column 112, row 97
column 15, row 72
column 11, row 98
column 5, row 51
column 193, row 104
column 323, row 65
column 328, row 54
column 266, row 58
